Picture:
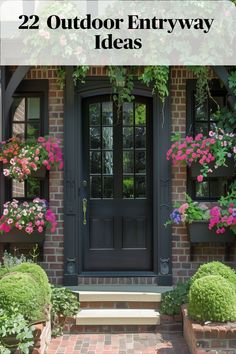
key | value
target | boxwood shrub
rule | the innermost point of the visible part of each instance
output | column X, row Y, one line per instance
column 212, row 298
column 39, row 276
column 216, row 268
column 22, row 289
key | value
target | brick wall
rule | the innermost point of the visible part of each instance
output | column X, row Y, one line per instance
column 183, row 268
column 53, row 247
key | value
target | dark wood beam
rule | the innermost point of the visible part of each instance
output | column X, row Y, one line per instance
column 223, row 75
column 14, row 82
column 2, row 91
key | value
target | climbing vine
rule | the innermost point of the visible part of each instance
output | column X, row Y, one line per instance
column 122, row 80
column 158, row 77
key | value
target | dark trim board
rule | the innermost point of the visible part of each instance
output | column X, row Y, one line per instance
column 73, row 178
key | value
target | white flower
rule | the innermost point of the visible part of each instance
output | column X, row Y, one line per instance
column 5, row 212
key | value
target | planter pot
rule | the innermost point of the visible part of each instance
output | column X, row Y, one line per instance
column 221, row 171
column 199, row 232
column 17, row 236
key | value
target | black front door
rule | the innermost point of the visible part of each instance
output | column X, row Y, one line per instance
column 116, row 193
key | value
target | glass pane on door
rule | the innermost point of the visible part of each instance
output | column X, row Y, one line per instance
column 101, row 150
column 134, row 150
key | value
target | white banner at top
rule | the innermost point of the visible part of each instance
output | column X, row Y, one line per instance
column 117, row 32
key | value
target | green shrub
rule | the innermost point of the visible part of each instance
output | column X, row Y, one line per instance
column 39, row 276
column 3, row 271
column 212, row 298
column 172, row 300
column 64, row 304
column 216, row 268
column 23, row 290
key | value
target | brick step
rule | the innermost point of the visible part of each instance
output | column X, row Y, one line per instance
column 124, row 317
column 118, row 300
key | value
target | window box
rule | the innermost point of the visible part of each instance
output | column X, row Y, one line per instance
column 17, row 236
column 199, row 232
column 222, row 171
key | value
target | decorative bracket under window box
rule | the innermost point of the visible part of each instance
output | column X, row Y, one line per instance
column 199, row 232
column 18, row 236
column 222, row 171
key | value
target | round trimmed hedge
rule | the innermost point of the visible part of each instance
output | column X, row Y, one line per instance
column 39, row 276
column 216, row 268
column 212, row 298
column 21, row 289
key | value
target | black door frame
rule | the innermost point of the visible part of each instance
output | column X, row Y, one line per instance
column 73, row 194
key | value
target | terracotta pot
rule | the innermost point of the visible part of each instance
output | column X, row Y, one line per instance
column 199, row 232
column 222, row 171
column 17, row 236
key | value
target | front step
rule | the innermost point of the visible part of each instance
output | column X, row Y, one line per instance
column 119, row 300
column 123, row 317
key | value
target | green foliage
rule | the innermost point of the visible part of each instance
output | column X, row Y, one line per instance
column 3, row 271
column 23, row 290
column 157, row 76
column 61, row 76
column 172, row 300
column 216, row 268
column 39, row 275
column 80, row 73
column 202, row 86
column 232, row 81
column 64, row 304
column 226, row 120
column 212, row 298
column 9, row 261
column 122, row 82
column 13, row 324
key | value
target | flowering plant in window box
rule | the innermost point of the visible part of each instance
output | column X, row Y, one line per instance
column 26, row 218
column 223, row 216
column 200, row 220
column 24, row 158
column 206, row 155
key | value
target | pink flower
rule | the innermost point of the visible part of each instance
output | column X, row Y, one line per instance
column 40, row 229
column 198, row 137
column 200, row 178
column 4, row 228
column 6, row 172
column 183, row 207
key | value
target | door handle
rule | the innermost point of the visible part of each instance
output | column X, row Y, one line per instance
column 85, row 205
